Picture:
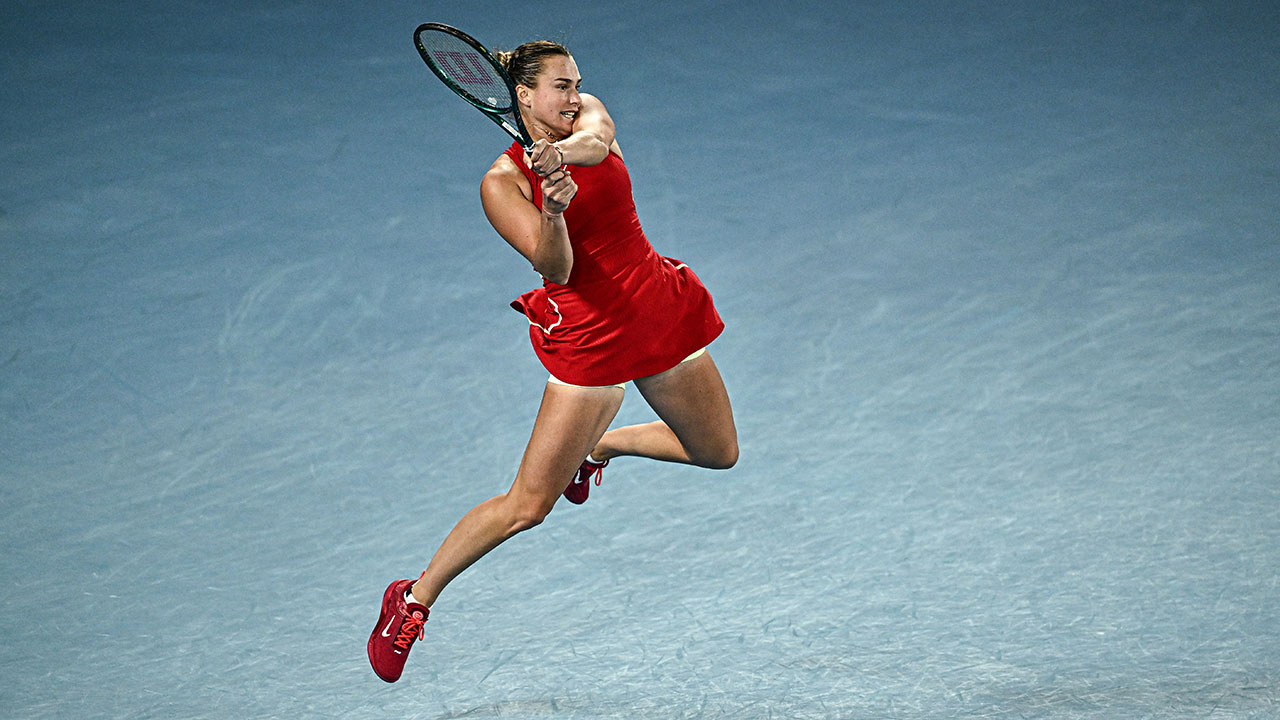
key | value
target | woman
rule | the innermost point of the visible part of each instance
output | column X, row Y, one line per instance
column 610, row 311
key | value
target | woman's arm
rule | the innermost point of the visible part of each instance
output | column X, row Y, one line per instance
column 540, row 236
column 593, row 136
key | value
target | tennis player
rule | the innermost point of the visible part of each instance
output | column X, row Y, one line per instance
column 610, row 311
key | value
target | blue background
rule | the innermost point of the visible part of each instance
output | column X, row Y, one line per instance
column 1002, row 285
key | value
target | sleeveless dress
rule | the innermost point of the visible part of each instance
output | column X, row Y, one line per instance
column 625, row 312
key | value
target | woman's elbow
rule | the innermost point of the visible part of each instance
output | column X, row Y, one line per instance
column 557, row 273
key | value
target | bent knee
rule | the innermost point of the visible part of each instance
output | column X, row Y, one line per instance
column 527, row 515
column 719, row 458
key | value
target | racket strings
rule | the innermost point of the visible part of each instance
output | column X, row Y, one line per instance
column 467, row 69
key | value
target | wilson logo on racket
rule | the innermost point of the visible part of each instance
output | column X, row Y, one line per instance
column 465, row 67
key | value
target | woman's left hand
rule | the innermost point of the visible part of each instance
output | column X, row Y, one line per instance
column 558, row 189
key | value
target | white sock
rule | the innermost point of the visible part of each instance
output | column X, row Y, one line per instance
column 409, row 598
column 592, row 460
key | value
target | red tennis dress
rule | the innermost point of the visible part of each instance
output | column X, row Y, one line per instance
column 626, row 312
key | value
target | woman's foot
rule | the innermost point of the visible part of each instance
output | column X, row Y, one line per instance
column 577, row 491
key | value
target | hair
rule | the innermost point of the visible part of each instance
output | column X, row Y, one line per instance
column 525, row 62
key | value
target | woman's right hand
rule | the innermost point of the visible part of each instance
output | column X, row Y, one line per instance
column 558, row 189
column 545, row 158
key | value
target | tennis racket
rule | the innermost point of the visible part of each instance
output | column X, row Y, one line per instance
column 471, row 71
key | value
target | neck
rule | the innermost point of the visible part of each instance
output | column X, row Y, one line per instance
column 538, row 131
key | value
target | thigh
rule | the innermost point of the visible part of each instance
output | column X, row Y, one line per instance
column 691, row 399
column 569, row 423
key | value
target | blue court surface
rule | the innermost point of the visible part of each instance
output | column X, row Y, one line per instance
column 1002, row 286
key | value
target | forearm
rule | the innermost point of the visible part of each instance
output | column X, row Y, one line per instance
column 583, row 148
column 553, row 257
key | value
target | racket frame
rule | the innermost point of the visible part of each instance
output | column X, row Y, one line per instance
column 510, row 120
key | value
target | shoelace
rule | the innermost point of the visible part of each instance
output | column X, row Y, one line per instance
column 410, row 630
column 597, row 472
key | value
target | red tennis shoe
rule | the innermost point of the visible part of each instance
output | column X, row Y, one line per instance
column 577, row 491
column 399, row 627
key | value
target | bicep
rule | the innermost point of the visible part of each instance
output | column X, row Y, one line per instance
column 513, row 215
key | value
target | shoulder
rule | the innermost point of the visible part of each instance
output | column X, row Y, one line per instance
column 504, row 177
column 593, row 111
column 595, row 119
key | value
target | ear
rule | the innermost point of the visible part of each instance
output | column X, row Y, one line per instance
column 522, row 94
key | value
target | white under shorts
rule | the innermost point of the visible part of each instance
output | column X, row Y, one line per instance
column 621, row 386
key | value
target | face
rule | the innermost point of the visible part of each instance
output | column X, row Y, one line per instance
column 551, row 108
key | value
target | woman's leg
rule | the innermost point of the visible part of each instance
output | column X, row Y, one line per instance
column 570, row 421
column 697, row 420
